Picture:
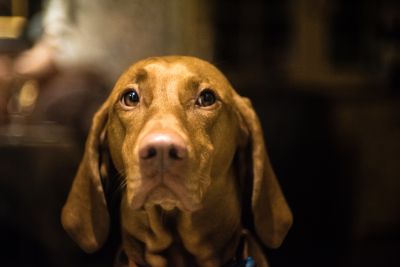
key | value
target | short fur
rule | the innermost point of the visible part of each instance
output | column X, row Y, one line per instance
column 227, row 189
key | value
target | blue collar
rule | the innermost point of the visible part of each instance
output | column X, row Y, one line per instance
column 249, row 262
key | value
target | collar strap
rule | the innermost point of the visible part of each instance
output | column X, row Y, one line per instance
column 249, row 262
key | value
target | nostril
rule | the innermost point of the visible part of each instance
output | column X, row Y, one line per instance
column 173, row 153
column 148, row 153
column 176, row 153
column 152, row 152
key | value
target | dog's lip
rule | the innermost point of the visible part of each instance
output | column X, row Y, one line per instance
column 180, row 199
column 189, row 203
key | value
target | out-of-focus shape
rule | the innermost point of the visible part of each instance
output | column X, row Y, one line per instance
column 28, row 95
column 107, row 36
column 11, row 27
column 309, row 58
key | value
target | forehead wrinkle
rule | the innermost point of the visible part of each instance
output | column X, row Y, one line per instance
column 194, row 82
column 140, row 75
column 129, row 77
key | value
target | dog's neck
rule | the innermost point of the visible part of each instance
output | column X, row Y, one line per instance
column 162, row 238
column 177, row 259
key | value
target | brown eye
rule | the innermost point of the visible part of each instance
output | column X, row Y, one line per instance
column 206, row 98
column 130, row 98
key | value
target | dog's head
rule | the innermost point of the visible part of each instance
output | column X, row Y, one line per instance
column 173, row 126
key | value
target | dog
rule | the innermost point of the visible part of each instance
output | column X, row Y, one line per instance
column 197, row 186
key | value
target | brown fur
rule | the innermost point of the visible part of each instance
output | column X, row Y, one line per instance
column 227, row 164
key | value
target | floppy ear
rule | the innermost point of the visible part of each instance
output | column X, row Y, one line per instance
column 271, row 215
column 85, row 216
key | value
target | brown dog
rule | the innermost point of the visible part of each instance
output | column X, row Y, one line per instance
column 195, row 171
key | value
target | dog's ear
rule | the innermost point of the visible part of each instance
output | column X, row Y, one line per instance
column 272, row 217
column 85, row 216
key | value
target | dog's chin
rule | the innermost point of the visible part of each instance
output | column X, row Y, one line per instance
column 167, row 205
column 164, row 198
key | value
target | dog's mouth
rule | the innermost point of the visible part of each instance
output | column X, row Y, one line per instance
column 168, row 194
column 163, row 197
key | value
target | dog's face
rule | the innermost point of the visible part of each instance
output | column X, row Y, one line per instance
column 171, row 128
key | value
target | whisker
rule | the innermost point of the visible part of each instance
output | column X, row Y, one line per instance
column 119, row 185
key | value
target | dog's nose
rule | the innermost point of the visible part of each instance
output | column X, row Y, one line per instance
column 165, row 147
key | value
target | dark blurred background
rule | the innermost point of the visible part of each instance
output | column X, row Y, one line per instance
column 322, row 75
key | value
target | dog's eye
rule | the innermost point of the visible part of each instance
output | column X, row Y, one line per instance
column 206, row 98
column 130, row 98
